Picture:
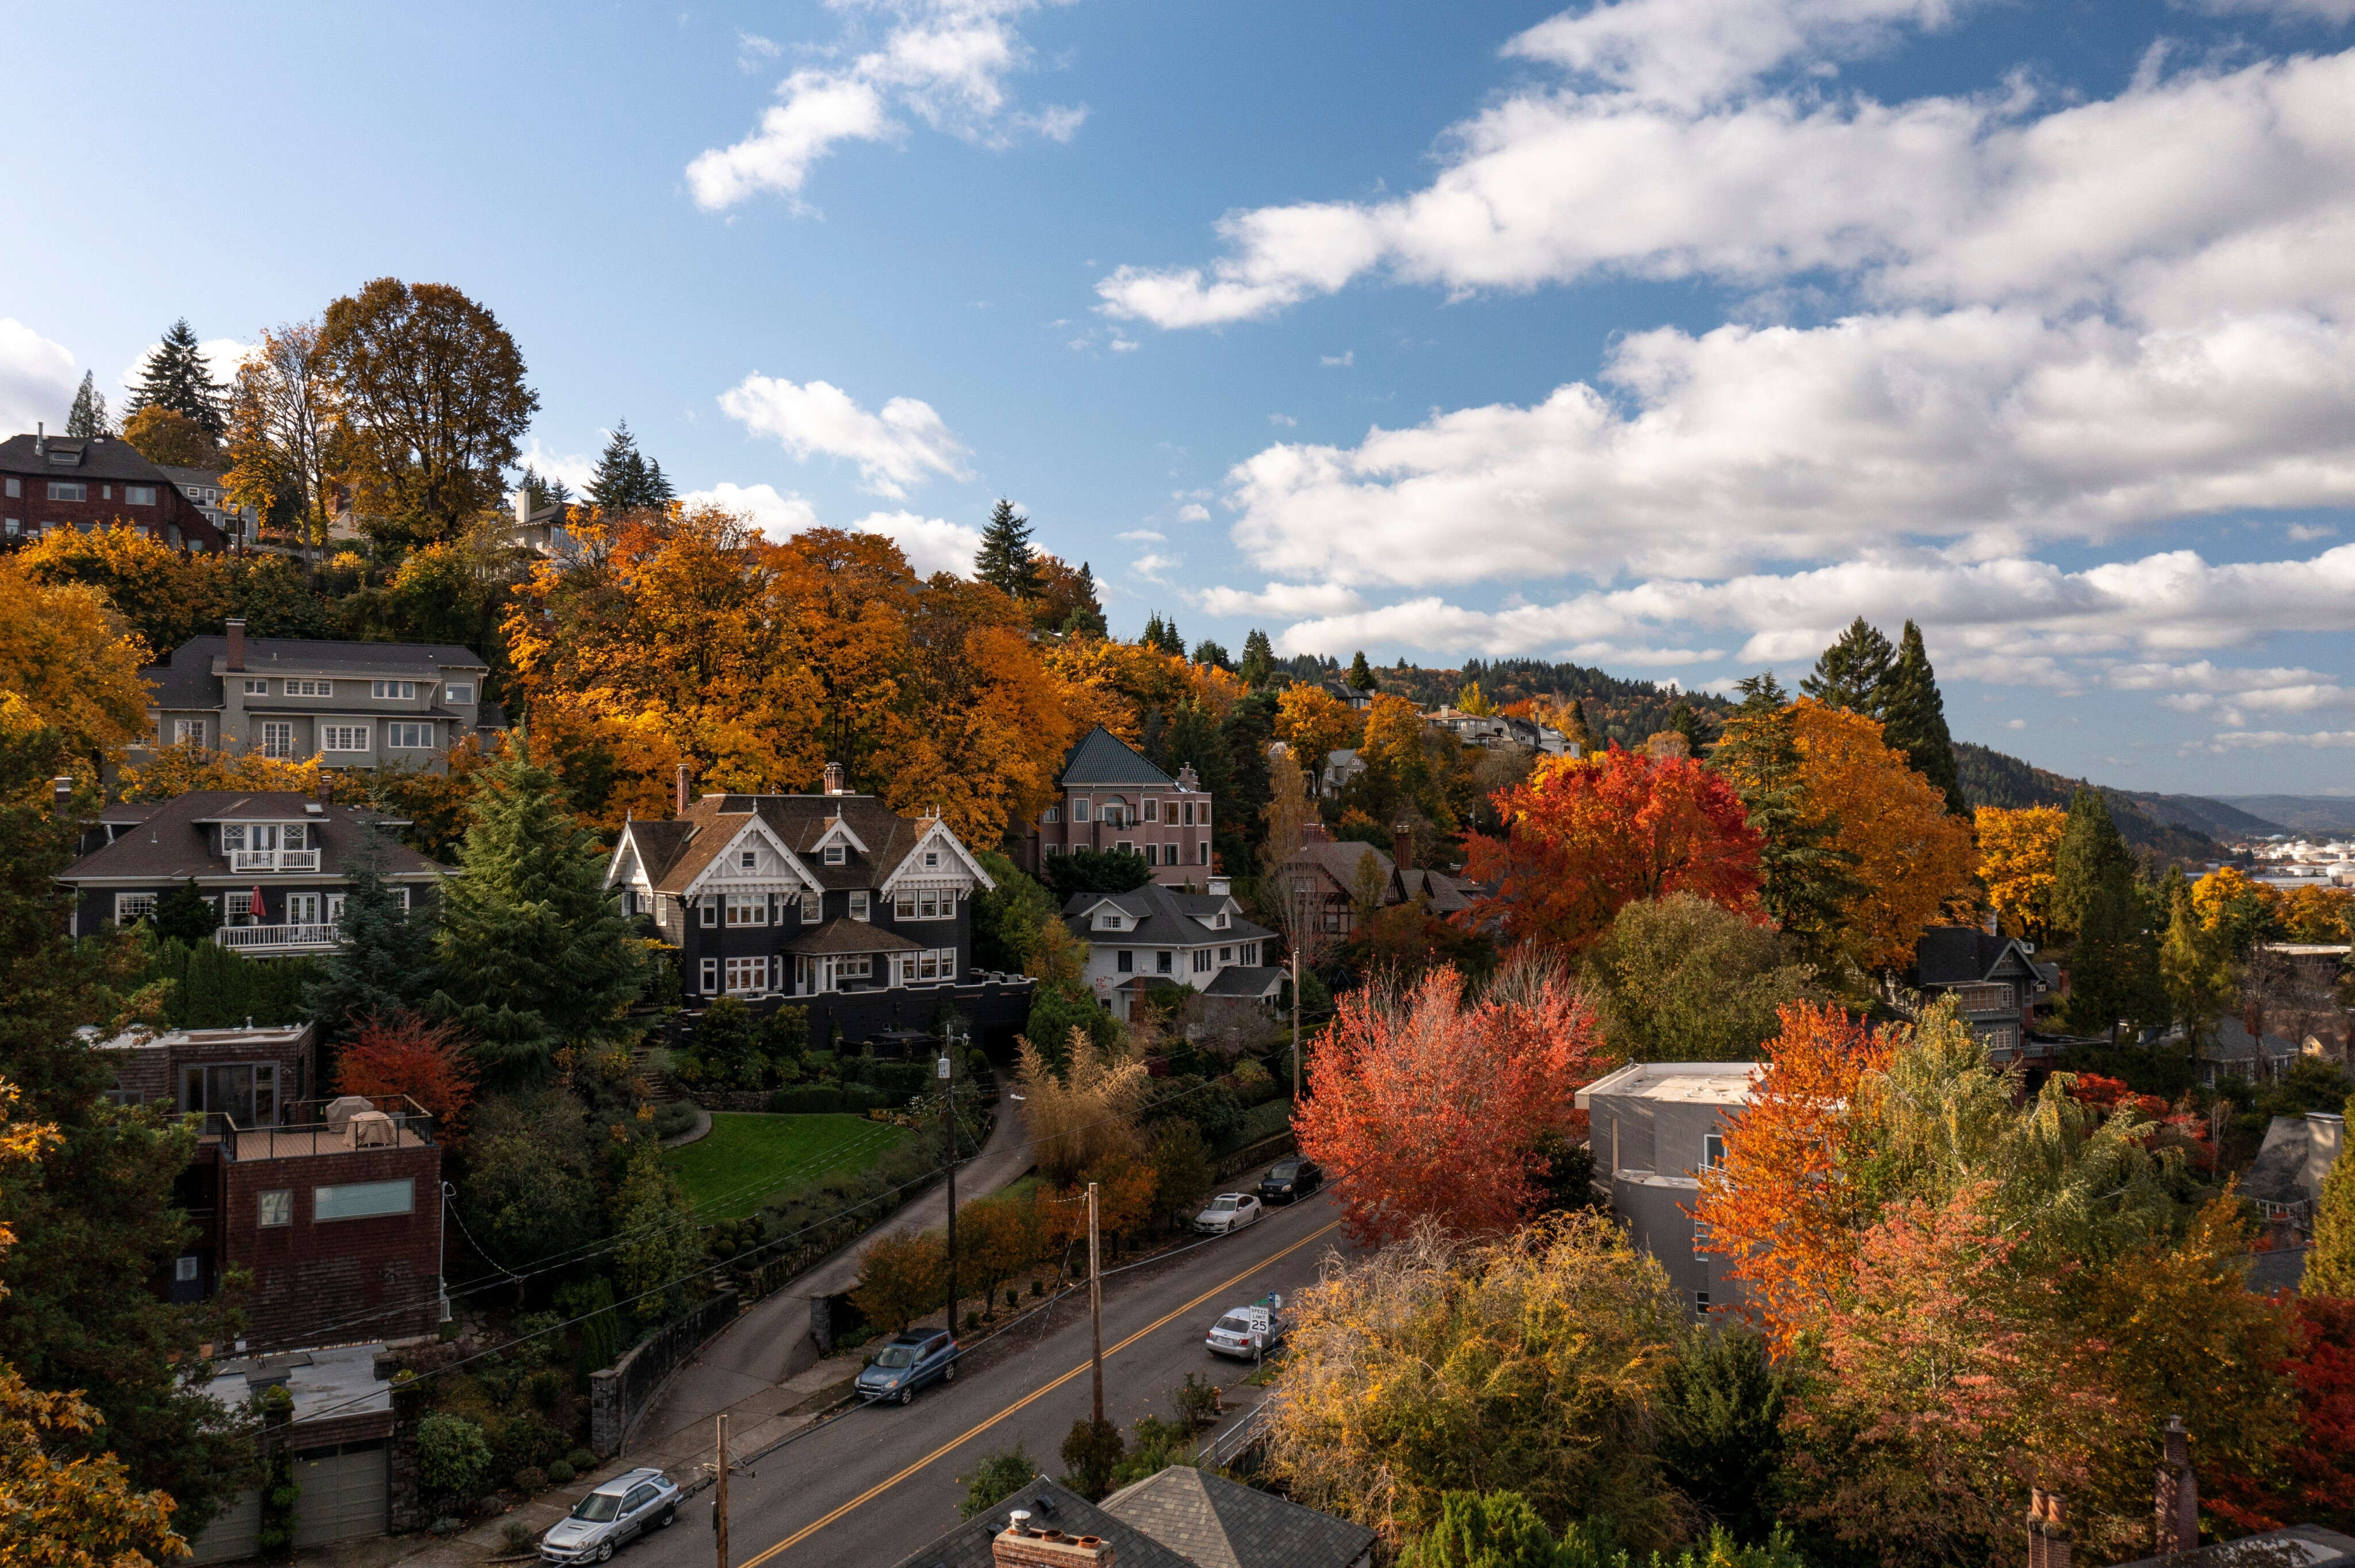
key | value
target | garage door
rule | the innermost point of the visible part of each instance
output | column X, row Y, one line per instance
column 236, row 1533
column 342, row 1492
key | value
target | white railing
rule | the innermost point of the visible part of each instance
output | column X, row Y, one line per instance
column 298, row 860
column 247, row 936
column 273, row 860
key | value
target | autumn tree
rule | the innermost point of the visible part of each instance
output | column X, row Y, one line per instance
column 166, row 436
column 174, row 376
column 1804, row 879
column 1066, row 599
column 901, row 1278
column 408, row 1054
column 431, row 398
column 65, row 669
column 2193, row 965
column 285, row 434
column 1083, row 1111
column 1683, row 979
column 164, row 596
column 1585, row 836
column 1316, row 723
column 2017, row 852
column 1429, row 1104
column 2330, row 1267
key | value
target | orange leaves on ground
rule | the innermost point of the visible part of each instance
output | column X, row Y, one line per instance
column 1786, row 1205
column 1912, row 856
column 406, row 1054
column 1585, row 836
column 1429, row 1105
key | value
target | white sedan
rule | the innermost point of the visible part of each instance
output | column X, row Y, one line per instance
column 1228, row 1212
column 1248, row 1332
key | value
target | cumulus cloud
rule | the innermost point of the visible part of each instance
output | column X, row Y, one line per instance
column 903, row 444
column 930, row 544
column 222, row 357
column 778, row 514
column 1193, row 511
column 37, row 380
column 946, row 62
column 1143, row 536
column 574, row 469
column 1279, row 599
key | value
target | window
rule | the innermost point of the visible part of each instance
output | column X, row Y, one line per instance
column 1201, row 960
column 310, row 688
column 232, row 837
column 1226, row 955
column 860, row 968
column 69, row 490
column 302, row 908
column 393, row 690
column 747, row 909
column 1161, row 962
column 458, row 692
column 342, row 737
column 1188, row 808
column 747, row 975
column 409, row 737
column 364, row 1200
column 15, row 488
column 132, row 907
column 812, row 908
column 1205, row 848
column 1712, row 1150
column 1115, row 814
column 1151, row 810
column 1250, row 954
column 1204, row 816
column 710, row 905
column 1051, row 814
column 711, row 977
column 277, row 740
column 1152, row 854
column 835, row 854
column 278, row 1207
column 257, row 688
column 1124, row 961
column 237, row 904
column 1111, row 920
column 190, row 732
column 139, row 495
column 926, row 905
column 748, row 860
column 1700, row 1300
column 932, row 859
column 245, row 1092
column 1080, row 809
column 335, row 908
column 1125, row 847
column 859, row 905
column 187, row 1268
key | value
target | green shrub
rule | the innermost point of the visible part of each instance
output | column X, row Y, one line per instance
column 516, row 1537
column 582, row 1461
column 451, row 1458
column 530, row 1480
column 809, row 1099
column 526, row 1440
column 859, row 1099
column 560, row 1473
column 1001, row 1475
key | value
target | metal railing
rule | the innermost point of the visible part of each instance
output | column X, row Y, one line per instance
column 302, row 1128
column 273, row 860
column 248, row 938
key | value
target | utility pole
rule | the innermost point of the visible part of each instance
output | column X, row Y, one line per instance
column 719, row 1501
column 1295, row 1025
column 948, row 1114
column 1095, row 1306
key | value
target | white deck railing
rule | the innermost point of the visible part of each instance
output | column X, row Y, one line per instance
column 273, row 860
column 249, row 937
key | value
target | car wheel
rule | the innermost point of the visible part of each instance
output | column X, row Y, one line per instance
column 670, row 1517
column 948, row 1373
column 604, row 1552
column 908, row 1396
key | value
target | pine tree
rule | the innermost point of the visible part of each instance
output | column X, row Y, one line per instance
column 1914, row 719
column 2193, row 962
column 1087, row 615
column 2091, row 857
column 1005, row 561
column 1361, row 675
column 383, row 959
column 175, row 377
column 87, row 417
column 1259, row 659
column 534, row 953
column 2114, row 968
column 1850, row 673
column 623, row 480
column 659, row 489
column 1212, row 654
column 1687, row 723
column 184, row 914
column 1153, row 631
column 1171, row 639
column 1581, row 735
column 1804, row 882
column 2330, row 1267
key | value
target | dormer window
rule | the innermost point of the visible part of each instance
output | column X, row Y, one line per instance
column 858, row 905
column 1109, row 921
column 750, row 860
column 1222, row 920
column 835, row 854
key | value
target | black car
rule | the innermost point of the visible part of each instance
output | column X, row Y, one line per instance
column 1290, row 1179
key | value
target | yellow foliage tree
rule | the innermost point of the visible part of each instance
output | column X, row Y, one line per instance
column 2018, row 850
column 1912, row 856
column 1115, row 685
column 164, row 597
column 185, row 766
column 1314, row 723
column 65, row 666
column 1081, row 1116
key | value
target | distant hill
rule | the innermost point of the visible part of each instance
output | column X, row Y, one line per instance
column 2297, row 813
column 1616, row 709
column 2202, row 814
column 1991, row 777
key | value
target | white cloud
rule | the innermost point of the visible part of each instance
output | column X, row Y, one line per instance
column 1345, row 359
column 222, row 357
column 1122, row 344
column 753, row 50
column 2014, row 724
column 2284, row 10
column 1279, row 599
column 2235, row 740
column 1284, row 419
column 778, row 514
column 903, row 444
column 1153, row 566
column 38, row 380
column 944, row 61
column 1144, row 536
column 574, row 469
column 1193, row 511
column 2306, row 532
column 930, row 544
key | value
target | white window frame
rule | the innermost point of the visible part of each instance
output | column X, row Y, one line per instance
column 1712, row 1150
column 275, row 1208
column 336, row 902
column 277, row 739
column 932, row 859
column 748, row 860
column 748, row 909
column 747, row 977
column 237, row 904
column 1051, row 814
column 837, row 854
column 69, row 490
column 1202, row 963
column 1080, row 809
column 408, row 736
column 132, row 907
column 708, row 907
column 861, row 907
column 392, row 691
column 711, row 977
column 232, row 836
column 307, row 688
column 257, row 688
column 189, row 731
column 337, row 737
column 307, row 904
column 813, row 907
column 139, row 495
column 1152, row 809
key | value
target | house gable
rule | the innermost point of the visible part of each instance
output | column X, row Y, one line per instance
column 774, row 868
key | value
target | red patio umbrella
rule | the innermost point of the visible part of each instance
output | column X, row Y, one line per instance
column 258, row 911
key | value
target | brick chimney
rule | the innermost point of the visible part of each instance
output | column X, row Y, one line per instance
column 1020, row 1546
column 834, row 777
column 2049, row 1540
column 1402, row 846
column 237, row 645
column 2178, row 1503
column 678, row 801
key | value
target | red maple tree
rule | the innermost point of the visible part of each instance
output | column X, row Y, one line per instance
column 1428, row 1105
column 1587, row 835
column 408, row 1054
column 2314, row 1480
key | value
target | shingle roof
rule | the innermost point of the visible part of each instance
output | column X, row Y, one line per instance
column 1163, row 917
column 1103, row 758
column 841, row 935
column 209, row 477
column 1237, row 980
column 1051, row 1507
column 1957, row 955
column 170, row 845
column 112, row 458
column 799, row 822
column 187, row 681
column 1219, row 1524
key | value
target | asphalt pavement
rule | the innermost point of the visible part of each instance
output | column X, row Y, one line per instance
column 871, row 1486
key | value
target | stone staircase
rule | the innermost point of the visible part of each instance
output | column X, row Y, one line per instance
column 663, row 1086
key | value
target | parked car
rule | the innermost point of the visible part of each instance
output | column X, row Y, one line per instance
column 1289, row 1180
column 907, row 1362
column 1248, row 1332
column 612, row 1516
column 1228, row 1212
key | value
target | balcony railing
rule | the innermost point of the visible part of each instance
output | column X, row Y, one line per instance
column 305, row 1129
column 276, row 939
column 273, row 860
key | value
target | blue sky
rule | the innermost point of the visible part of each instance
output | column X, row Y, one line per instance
column 1664, row 335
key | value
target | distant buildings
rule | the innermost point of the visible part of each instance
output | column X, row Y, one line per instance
column 57, row 482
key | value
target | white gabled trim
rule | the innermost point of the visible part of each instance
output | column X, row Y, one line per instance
column 839, row 827
column 911, row 862
column 626, row 864
column 720, row 870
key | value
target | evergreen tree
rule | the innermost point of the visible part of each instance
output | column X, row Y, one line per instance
column 184, row 915
column 1580, row 735
column 383, row 959
column 1087, row 615
column 1804, row 882
column 1850, row 673
column 2091, row 857
column 1210, row 654
column 87, row 417
column 1007, row 561
column 2195, row 964
column 1687, row 723
column 2114, row 969
column 1259, row 659
column 1361, row 675
column 659, row 491
column 1153, row 631
column 1914, row 719
column 624, row 482
column 175, row 377
column 534, row 953
column 1172, row 641
column 1239, row 818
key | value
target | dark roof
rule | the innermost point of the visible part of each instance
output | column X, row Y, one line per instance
column 676, row 852
column 2307, row 1545
column 1103, row 758
column 1051, row 1507
column 1447, row 895
column 1164, row 919
column 2231, row 1043
column 170, row 844
column 112, row 458
column 1237, row 980
column 209, row 477
column 1219, row 1523
column 841, row 935
column 1958, row 955
column 187, row 679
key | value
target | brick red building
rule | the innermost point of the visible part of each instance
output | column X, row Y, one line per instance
column 57, row 482
column 1110, row 797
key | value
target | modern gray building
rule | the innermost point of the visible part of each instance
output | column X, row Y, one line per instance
column 350, row 704
column 1655, row 1126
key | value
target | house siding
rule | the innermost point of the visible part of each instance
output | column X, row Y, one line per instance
column 311, row 1279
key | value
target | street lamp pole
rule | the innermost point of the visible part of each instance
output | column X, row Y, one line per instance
column 1096, row 1305
column 948, row 1105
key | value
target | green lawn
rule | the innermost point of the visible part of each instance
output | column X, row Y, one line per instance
column 752, row 1157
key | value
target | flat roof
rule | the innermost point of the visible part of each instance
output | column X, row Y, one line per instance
column 1695, row 1083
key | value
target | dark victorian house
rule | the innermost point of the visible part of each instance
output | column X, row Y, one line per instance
column 833, row 902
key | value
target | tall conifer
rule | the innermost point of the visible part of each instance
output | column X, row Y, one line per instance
column 383, row 959
column 1914, row 719
column 177, row 377
column 1259, row 659
column 1804, row 882
column 1006, row 560
column 1850, row 673
column 88, row 416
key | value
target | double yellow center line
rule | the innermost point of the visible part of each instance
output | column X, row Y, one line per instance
column 877, row 1490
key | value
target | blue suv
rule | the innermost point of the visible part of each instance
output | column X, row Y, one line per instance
column 907, row 1362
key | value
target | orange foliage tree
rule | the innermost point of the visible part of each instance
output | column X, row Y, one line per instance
column 1912, row 855
column 1786, row 1205
column 1586, row 835
column 408, row 1055
column 1314, row 723
column 1429, row 1105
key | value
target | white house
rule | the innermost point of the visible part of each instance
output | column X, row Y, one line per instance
column 1150, row 935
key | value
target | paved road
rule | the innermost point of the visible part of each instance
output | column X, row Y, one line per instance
column 875, row 1485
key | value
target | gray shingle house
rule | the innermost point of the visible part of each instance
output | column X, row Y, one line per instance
column 1994, row 978
column 1150, row 936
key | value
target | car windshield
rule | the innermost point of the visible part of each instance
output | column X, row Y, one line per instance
column 1235, row 1323
column 1220, row 1205
column 897, row 1356
column 1283, row 1173
column 599, row 1507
